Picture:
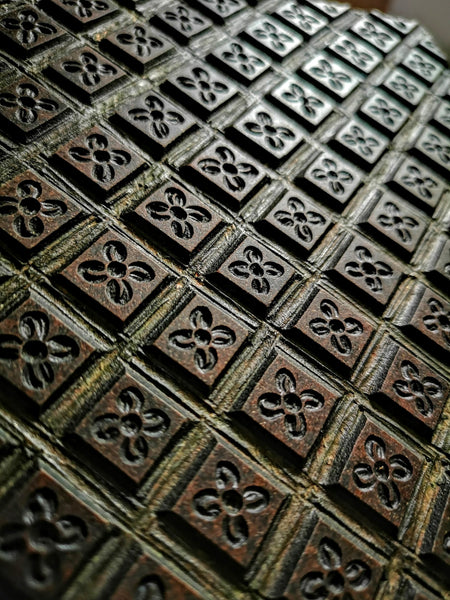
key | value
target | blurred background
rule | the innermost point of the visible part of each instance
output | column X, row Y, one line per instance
column 433, row 14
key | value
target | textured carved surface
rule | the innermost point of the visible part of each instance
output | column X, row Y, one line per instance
column 224, row 302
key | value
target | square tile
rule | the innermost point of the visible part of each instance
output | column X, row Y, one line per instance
column 273, row 38
column 303, row 19
column 397, row 223
column 369, row 271
column 38, row 352
column 267, row 133
column 27, row 30
column 400, row 25
column 100, row 160
column 240, row 61
column 334, row 179
column 331, row 75
column 86, row 74
column 220, row 10
column 228, row 173
column 357, row 54
column 80, row 15
column 139, row 46
column 200, row 88
column 41, row 510
column 419, row 184
column 302, row 102
column 130, row 427
column 155, row 122
column 422, row 66
column 31, row 209
column 176, row 218
column 182, row 22
column 230, row 504
column 384, row 113
column 256, row 274
column 383, row 38
column 441, row 118
column 28, row 109
column 116, row 274
column 201, row 341
column 335, row 328
column 291, row 404
column 330, row 8
column 433, row 147
column 381, row 472
column 296, row 222
column 438, row 268
column 405, row 87
column 361, row 144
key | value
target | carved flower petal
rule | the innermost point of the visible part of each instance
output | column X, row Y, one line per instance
column 295, row 425
column 222, row 336
column 256, row 499
column 62, row 348
column 358, row 574
column 210, row 165
column 139, row 271
column 353, row 327
column 235, row 530
column 119, row 292
column 312, row 586
column 205, row 360
column 401, row 467
column 9, row 347
column 239, row 268
column 34, row 324
column 273, row 269
column 388, row 494
column 329, row 309
column 375, row 448
column 227, row 476
column 134, row 450
column 329, row 554
column 270, row 406
column 12, row 541
column 182, row 338
column 364, row 476
column 156, row 423
column 206, row 504
column 106, row 428
column 312, row 400
column 92, row 271
column 341, row 344
column 201, row 317
column 260, row 285
column 401, row 388
column 72, row 533
column 42, row 506
column 319, row 327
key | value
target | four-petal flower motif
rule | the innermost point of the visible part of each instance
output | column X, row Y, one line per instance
column 158, row 118
column 439, row 320
column 97, row 151
column 436, row 144
column 337, row 329
column 256, row 269
column 30, row 210
column 308, row 104
column 182, row 217
column 382, row 473
column 115, row 273
column 404, row 87
column 300, row 219
column 358, row 57
column 415, row 178
column 298, row 15
column 244, row 61
column 183, row 19
column 28, row 26
column 224, row 7
column 202, row 339
column 335, row 79
column 336, row 579
column 90, row 70
column 371, row 271
column 228, row 502
column 131, row 426
column 29, row 104
column 370, row 32
column 422, row 391
column 276, row 38
column 86, row 8
column 334, row 177
column 417, row 63
column 203, row 84
column 139, row 39
column 274, row 136
column 364, row 143
column 235, row 175
column 392, row 219
column 289, row 405
column 41, row 355
column 382, row 109
column 42, row 537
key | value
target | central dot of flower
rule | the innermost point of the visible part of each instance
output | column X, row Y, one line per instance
column 141, row 40
column 381, row 470
column 368, row 268
column 27, row 25
column 116, row 269
column 397, row 221
column 34, row 351
column 232, row 502
column 101, row 156
column 416, row 387
column 30, row 206
column 204, row 85
column 42, row 535
column 242, row 57
column 91, row 68
column 337, row 326
column 269, row 130
column 332, row 175
column 300, row 217
column 178, row 212
column 202, row 337
column 256, row 269
column 334, row 582
column 27, row 102
column 131, row 425
column 157, row 115
column 230, row 168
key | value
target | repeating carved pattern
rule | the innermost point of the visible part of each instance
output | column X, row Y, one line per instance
column 30, row 27
column 240, row 60
column 393, row 220
column 103, row 158
column 254, row 268
column 423, row 392
column 336, row 179
column 302, row 18
column 235, row 175
column 273, row 38
column 337, row 329
column 438, row 320
column 372, row 272
column 301, row 220
column 183, row 21
column 378, row 35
